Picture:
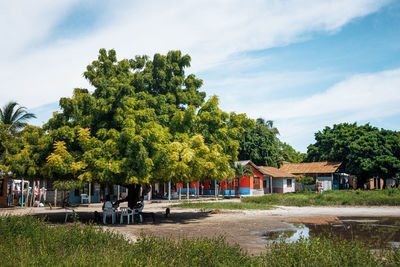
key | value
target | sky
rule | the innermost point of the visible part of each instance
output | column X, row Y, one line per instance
column 303, row 64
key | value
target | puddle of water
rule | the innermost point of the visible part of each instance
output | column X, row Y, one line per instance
column 376, row 232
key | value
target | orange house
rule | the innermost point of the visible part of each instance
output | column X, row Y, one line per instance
column 252, row 185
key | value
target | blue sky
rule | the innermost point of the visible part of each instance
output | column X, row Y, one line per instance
column 304, row 64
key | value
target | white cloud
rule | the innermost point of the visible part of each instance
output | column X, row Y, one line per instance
column 210, row 31
column 23, row 23
column 361, row 98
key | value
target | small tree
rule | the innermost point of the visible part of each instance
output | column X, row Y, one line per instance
column 241, row 171
column 15, row 119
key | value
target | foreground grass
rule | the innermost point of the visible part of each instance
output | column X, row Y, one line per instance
column 388, row 197
column 224, row 205
column 27, row 241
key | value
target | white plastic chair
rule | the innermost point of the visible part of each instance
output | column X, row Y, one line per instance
column 84, row 197
column 126, row 212
column 108, row 211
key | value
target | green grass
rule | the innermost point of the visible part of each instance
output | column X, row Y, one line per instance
column 28, row 241
column 224, row 205
column 329, row 252
column 387, row 197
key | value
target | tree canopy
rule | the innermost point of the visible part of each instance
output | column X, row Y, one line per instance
column 365, row 151
column 146, row 121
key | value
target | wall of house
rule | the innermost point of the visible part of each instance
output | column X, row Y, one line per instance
column 252, row 185
column 326, row 182
column 192, row 188
column 279, row 185
column 95, row 198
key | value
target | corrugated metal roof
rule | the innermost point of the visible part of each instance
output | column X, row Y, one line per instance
column 274, row 172
column 242, row 162
column 311, row 167
column 245, row 162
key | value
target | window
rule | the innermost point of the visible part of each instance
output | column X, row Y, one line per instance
column 265, row 183
column 289, row 182
column 256, row 181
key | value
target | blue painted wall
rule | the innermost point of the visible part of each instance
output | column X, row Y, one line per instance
column 244, row 191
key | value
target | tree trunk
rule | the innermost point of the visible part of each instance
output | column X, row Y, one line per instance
column 180, row 195
column 133, row 194
column 55, row 198
column 187, row 191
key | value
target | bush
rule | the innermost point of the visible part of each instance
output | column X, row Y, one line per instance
column 307, row 181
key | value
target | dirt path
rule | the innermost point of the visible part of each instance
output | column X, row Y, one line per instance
column 236, row 226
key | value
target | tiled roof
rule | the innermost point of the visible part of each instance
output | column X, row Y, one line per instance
column 311, row 167
column 274, row 172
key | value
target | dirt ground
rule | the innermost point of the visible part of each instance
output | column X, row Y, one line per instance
column 237, row 226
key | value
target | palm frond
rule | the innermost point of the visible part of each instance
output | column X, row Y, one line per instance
column 15, row 119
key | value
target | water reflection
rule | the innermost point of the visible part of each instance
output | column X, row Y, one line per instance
column 376, row 232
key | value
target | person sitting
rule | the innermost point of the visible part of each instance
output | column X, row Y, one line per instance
column 107, row 204
column 138, row 208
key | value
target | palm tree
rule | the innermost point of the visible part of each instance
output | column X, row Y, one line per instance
column 15, row 119
column 241, row 171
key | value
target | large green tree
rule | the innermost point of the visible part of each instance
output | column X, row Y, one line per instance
column 145, row 122
column 289, row 154
column 365, row 151
column 260, row 144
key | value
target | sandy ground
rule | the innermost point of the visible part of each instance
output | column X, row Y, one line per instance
column 237, row 226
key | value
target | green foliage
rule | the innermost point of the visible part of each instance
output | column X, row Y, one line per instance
column 242, row 170
column 326, row 251
column 27, row 241
column 68, row 185
column 260, row 144
column 145, row 122
column 365, row 151
column 386, row 197
column 27, row 153
column 289, row 154
column 15, row 117
column 307, row 180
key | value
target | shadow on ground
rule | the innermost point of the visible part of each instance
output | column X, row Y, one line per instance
column 156, row 218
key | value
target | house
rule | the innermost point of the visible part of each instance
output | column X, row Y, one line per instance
column 276, row 180
column 249, row 185
column 329, row 174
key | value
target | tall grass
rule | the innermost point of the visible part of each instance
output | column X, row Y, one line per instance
column 388, row 197
column 28, row 241
column 328, row 252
